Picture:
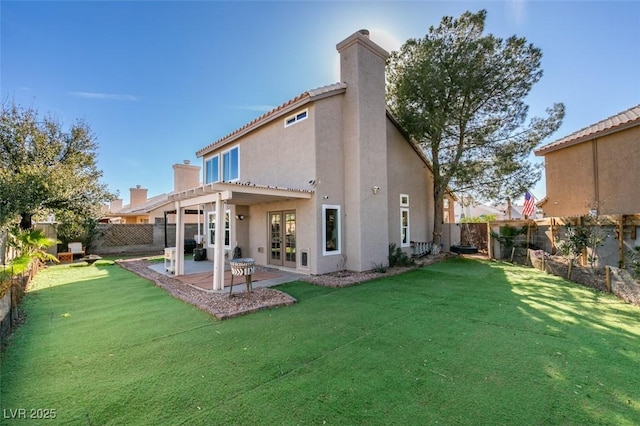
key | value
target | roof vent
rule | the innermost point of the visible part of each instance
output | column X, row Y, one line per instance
column 187, row 162
column 364, row 33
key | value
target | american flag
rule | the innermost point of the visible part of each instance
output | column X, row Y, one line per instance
column 529, row 205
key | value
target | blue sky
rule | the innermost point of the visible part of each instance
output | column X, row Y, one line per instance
column 158, row 80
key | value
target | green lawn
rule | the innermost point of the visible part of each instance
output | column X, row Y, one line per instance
column 459, row 342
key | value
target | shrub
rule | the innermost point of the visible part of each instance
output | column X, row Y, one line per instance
column 397, row 257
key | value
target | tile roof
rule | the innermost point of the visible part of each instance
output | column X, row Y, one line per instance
column 150, row 204
column 615, row 123
column 303, row 98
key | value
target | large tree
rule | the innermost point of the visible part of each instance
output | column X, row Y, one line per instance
column 44, row 169
column 460, row 95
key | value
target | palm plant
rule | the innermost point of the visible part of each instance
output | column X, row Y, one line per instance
column 33, row 244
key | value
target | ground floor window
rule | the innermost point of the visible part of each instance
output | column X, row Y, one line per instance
column 331, row 238
column 211, row 220
column 405, row 235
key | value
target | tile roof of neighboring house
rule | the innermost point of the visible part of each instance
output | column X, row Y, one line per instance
column 149, row 205
column 298, row 101
column 615, row 123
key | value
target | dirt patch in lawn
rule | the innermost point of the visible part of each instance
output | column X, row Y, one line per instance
column 220, row 305
column 623, row 285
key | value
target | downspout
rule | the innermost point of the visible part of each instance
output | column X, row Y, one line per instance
column 166, row 243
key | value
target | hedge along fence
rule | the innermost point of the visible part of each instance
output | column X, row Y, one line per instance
column 12, row 289
column 621, row 236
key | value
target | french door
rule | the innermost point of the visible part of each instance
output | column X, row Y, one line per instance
column 282, row 238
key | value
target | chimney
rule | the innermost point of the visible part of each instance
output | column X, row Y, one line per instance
column 115, row 205
column 138, row 196
column 185, row 176
column 362, row 68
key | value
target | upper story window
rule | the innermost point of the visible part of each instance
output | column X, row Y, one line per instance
column 223, row 167
column 212, row 170
column 231, row 164
column 293, row 119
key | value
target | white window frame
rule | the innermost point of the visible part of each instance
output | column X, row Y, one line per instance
column 338, row 249
column 211, row 227
column 296, row 118
column 223, row 166
column 406, row 243
column 404, row 200
column 216, row 178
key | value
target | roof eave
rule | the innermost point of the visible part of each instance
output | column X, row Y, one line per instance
column 568, row 142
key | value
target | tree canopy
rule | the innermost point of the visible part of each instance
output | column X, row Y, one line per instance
column 44, row 169
column 460, row 95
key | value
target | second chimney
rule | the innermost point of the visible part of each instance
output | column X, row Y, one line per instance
column 185, row 176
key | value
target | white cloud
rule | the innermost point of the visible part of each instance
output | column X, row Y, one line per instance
column 516, row 10
column 104, row 96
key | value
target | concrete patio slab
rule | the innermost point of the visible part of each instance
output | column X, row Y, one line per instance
column 200, row 275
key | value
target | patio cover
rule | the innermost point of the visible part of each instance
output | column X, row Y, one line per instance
column 219, row 194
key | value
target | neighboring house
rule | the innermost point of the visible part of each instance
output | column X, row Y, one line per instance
column 325, row 182
column 500, row 211
column 142, row 209
column 595, row 170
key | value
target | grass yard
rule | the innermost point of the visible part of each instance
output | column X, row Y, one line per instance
column 459, row 342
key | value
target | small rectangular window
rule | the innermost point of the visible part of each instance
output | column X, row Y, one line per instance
column 293, row 119
column 331, row 230
column 404, row 200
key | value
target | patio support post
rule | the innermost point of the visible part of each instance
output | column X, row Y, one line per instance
column 179, row 240
column 218, row 256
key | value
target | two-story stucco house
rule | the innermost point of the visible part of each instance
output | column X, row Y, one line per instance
column 325, row 182
column 596, row 169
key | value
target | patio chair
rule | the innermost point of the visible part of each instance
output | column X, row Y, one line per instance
column 76, row 248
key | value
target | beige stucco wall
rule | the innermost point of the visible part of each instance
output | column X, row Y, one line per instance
column 276, row 156
column 601, row 174
column 619, row 172
column 330, row 178
column 408, row 174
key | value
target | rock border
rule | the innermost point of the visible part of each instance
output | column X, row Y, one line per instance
column 220, row 305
